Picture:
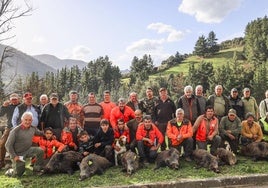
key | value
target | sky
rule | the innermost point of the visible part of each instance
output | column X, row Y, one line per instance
column 122, row 29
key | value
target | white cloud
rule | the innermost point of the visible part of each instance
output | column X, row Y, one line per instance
column 160, row 27
column 81, row 52
column 209, row 11
column 145, row 45
column 39, row 39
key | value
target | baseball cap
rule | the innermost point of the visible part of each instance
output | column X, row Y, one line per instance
column 232, row 111
column 162, row 89
column 54, row 96
column 246, row 89
column 234, row 90
column 72, row 92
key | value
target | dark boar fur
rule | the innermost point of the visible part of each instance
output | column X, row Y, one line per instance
column 256, row 150
column 93, row 164
column 226, row 156
column 168, row 158
column 130, row 162
column 204, row 159
column 65, row 162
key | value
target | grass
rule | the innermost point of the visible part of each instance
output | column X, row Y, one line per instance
column 114, row 176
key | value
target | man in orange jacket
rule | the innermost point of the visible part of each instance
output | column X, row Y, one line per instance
column 180, row 132
column 149, row 139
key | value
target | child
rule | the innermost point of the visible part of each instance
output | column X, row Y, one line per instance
column 86, row 145
column 48, row 143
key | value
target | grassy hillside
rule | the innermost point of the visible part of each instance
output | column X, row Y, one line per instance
column 217, row 60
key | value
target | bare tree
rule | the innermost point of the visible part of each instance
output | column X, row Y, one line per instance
column 10, row 12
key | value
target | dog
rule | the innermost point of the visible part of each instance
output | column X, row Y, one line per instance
column 121, row 144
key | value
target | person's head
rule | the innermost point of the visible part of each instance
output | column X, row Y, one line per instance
column 72, row 123
column 266, row 94
column 27, row 98
column 179, row 114
column 218, row 90
column 133, row 97
column 27, row 119
column 43, row 99
column 163, row 93
column 209, row 112
column 188, row 91
column 246, row 92
column 83, row 136
column 91, row 98
column 121, row 103
column 199, row 90
column 48, row 133
column 149, row 93
column 147, row 120
column 232, row 114
column 120, row 124
column 107, row 96
column 138, row 115
column 73, row 95
column 104, row 124
column 14, row 98
column 54, row 99
column 250, row 117
column 234, row 93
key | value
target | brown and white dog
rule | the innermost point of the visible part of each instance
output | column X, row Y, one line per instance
column 120, row 147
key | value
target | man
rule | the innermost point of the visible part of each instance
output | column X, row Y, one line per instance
column 263, row 107
column 230, row 129
column 43, row 101
column 54, row 115
column 149, row 139
column 250, row 104
column 206, row 129
column 219, row 102
column 180, row 132
column 237, row 103
column 148, row 103
column 133, row 101
column 26, row 106
column 75, row 108
column 133, row 126
column 190, row 105
column 93, row 113
column 19, row 146
column 201, row 99
column 107, row 104
column 251, row 130
column 122, row 111
column 264, row 126
column 164, row 111
column 7, row 109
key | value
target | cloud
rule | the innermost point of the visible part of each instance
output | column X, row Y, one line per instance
column 81, row 52
column 39, row 39
column 173, row 34
column 145, row 45
column 209, row 11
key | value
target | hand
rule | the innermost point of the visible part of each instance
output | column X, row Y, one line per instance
column 86, row 153
column 179, row 137
column 231, row 136
column 6, row 103
column 117, row 148
column 75, row 147
column 16, row 158
column 210, row 137
column 154, row 148
column 97, row 145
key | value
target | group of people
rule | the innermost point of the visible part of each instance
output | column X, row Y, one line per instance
column 150, row 125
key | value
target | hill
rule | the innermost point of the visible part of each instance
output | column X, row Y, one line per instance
column 57, row 63
column 17, row 63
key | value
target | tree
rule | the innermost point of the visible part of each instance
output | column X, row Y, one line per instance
column 200, row 48
column 10, row 12
column 212, row 45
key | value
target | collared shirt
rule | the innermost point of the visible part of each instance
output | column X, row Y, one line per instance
column 29, row 109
